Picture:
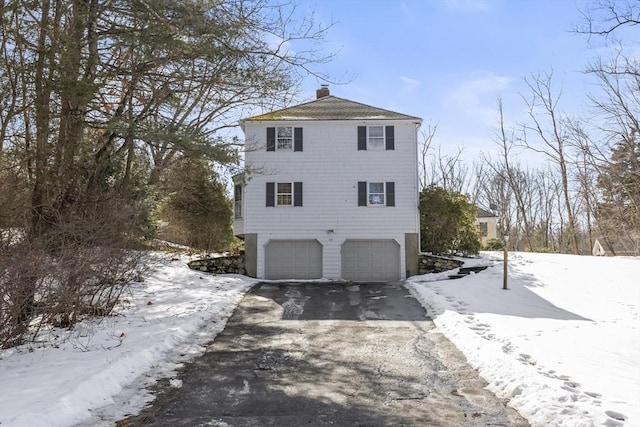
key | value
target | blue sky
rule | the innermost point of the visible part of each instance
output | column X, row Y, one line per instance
column 447, row 61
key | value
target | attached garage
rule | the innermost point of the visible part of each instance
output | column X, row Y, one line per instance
column 370, row 260
column 293, row 259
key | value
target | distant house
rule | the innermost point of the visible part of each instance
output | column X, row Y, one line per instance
column 598, row 249
column 605, row 247
column 488, row 225
column 330, row 191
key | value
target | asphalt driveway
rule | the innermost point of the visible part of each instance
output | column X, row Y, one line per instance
column 328, row 354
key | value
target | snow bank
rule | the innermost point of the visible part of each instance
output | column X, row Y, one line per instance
column 562, row 345
column 103, row 367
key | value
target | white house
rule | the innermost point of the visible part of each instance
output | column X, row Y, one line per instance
column 330, row 191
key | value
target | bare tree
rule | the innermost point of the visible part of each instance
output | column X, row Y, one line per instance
column 586, row 170
column 546, row 184
column 449, row 171
column 615, row 152
column 550, row 126
column 98, row 99
column 424, row 147
column 493, row 192
column 516, row 179
column 605, row 18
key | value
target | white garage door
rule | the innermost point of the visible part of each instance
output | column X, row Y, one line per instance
column 371, row 260
column 293, row 259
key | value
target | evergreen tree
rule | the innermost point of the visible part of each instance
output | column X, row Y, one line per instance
column 98, row 100
column 618, row 211
column 447, row 222
column 92, row 91
column 197, row 210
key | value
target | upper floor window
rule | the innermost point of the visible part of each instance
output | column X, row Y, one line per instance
column 284, row 138
column 376, row 138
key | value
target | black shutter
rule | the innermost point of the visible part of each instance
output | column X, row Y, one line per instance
column 362, row 138
column 297, row 139
column 297, row 194
column 362, row 193
column 389, row 139
column 271, row 139
column 391, row 193
column 271, row 194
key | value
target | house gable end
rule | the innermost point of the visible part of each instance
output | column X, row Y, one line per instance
column 358, row 170
column 332, row 108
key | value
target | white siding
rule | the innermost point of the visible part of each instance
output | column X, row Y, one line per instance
column 330, row 167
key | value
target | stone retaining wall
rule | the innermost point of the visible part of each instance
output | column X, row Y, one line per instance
column 222, row 265
column 433, row 264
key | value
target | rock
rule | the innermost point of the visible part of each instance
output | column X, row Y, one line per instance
column 433, row 264
column 221, row 265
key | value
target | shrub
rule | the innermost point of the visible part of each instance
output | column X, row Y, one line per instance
column 447, row 222
column 197, row 211
column 494, row 245
column 77, row 267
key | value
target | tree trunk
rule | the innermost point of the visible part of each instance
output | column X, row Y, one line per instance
column 39, row 199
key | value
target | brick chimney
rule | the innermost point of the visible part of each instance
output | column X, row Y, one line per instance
column 322, row 92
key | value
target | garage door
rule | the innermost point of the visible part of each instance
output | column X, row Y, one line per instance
column 293, row 259
column 371, row 260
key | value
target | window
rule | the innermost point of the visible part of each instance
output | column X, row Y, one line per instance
column 284, row 139
column 376, row 193
column 484, row 229
column 237, row 206
column 284, row 194
column 376, row 138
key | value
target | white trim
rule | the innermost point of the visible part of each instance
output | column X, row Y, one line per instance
column 383, row 146
column 291, row 138
column 384, row 194
column 277, row 193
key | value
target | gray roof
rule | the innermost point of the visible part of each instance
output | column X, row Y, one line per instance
column 486, row 214
column 332, row 108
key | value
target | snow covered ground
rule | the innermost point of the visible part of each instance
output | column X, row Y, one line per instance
column 562, row 345
column 99, row 370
